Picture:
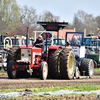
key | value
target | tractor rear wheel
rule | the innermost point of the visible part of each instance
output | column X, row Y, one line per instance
column 87, row 67
column 53, row 63
column 13, row 54
column 11, row 70
column 67, row 63
column 43, row 70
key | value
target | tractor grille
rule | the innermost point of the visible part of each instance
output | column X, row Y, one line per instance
column 26, row 54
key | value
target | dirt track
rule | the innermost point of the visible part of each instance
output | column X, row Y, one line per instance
column 6, row 83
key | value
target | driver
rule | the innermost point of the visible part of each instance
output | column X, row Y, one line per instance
column 75, row 41
column 39, row 42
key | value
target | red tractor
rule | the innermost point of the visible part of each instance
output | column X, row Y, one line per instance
column 24, row 60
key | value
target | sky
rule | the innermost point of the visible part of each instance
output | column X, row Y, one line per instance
column 65, row 9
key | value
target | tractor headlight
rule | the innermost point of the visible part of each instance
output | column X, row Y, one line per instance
column 29, row 54
column 22, row 54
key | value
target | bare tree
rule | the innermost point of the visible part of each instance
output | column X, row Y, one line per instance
column 2, row 27
column 97, row 19
column 28, row 15
column 45, row 16
column 83, row 20
column 77, row 23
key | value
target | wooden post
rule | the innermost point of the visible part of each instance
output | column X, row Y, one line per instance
column 75, row 29
column 84, row 32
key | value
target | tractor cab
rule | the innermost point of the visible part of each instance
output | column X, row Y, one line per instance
column 3, row 53
column 2, row 37
column 61, row 41
column 92, row 42
column 53, row 26
column 76, row 41
column 14, row 41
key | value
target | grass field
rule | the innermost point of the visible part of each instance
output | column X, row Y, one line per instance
column 97, row 71
column 35, row 90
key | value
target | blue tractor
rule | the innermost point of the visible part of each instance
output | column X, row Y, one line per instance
column 92, row 45
column 92, row 42
column 83, row 66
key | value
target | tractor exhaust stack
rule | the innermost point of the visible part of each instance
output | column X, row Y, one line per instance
column 27, row 37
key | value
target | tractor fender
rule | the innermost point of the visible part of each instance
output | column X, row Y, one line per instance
column 55, row 47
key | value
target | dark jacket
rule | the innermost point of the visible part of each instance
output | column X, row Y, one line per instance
column 40, row 43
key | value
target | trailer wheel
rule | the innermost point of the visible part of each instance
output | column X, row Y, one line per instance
column 87, row 67
column 54, row 63
column 43, row 70
column 67, row 63
column 11, row 70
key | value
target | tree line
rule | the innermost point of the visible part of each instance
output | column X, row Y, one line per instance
column 14, row 19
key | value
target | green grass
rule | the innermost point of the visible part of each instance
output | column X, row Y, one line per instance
column 77, row 87
column 35, row 90
column 3, row 73
column 96, row 70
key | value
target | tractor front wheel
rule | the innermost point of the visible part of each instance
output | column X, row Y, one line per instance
column 87, row 67
column 11, row 70
column 43, row 70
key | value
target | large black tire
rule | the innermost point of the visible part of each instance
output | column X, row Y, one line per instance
column 67, row 63
column 87, row 67
column 13, row 54
column 53, row 64
column 11, row 70
column 43, row 70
